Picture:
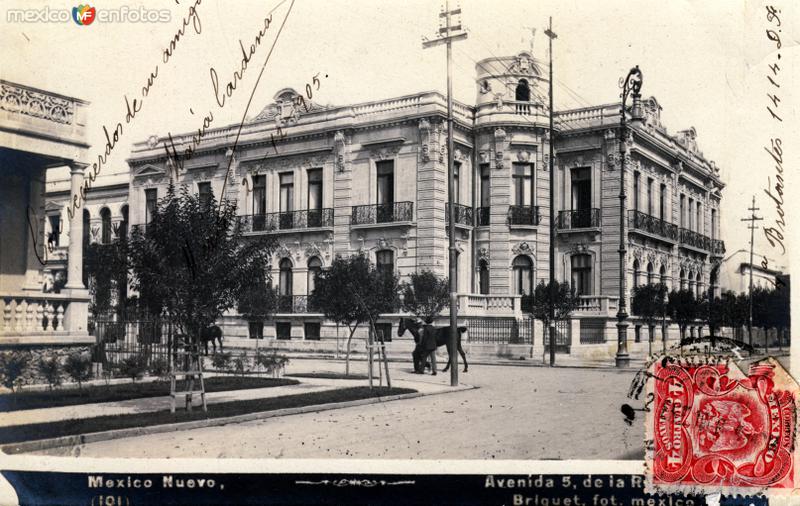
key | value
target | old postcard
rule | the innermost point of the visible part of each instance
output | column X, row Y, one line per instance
column 367, row 247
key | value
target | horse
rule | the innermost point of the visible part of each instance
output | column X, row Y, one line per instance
column 213, row 334
column 442, row 339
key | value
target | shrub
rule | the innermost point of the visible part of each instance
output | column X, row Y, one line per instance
column 50, row 369
column 133, row 367
column 13, row 366
column 78, row 367
column 271, row 364
column 221, row 360
column 160, row 369
column 240, row 364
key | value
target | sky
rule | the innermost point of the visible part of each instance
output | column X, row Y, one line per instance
column 705, row 61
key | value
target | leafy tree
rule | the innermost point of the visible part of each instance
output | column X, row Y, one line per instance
column 192, row 262
column 712, row 311
column 649, row 303
column 133, row 367
column 352, row 292
column 50, row 369
column 563, row 299
column 13, row 366
column 222, row 360
column 426, row 295
column 682, row 308
column 257, row 301
column 78, row 367
column 107, row 268
column 734, row 311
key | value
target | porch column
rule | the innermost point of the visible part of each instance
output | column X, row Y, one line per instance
column 75, row 251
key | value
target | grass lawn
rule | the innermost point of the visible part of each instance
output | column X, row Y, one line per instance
column 103, row 423
column 328, row 375
column 126, row 391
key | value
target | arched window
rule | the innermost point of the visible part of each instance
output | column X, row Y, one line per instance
column 663, row 275
column 582, row 274
column 636, row 269
column 523, row 275
column 650, row 278
column 384, row 261
column 699, row 285
column 690, row 282
column 483, row 278
column 712, row 283
column 105, row 230
column 682, row 277
column 123, row 226
column 523, row 93
column 285, row 279
column 314, row 268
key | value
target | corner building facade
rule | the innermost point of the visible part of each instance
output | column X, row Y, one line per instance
column 372, row 177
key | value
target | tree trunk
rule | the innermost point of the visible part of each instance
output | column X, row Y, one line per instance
column 651, row 331
column 347, row 352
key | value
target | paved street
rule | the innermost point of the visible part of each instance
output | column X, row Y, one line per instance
column 516, row 413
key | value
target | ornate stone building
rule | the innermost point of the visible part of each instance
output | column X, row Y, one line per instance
column 331, row 180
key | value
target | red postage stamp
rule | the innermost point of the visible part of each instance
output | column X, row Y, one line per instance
column 714, row 428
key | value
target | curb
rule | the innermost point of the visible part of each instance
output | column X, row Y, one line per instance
column 94, row 437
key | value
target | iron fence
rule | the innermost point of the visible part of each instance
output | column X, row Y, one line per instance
column 500, row 330
column 695, row 239
column 150, row 340
column 382, row 213
column 296, row 304
column 483, row 216
column 464, row 214
column 650, row 224
column 290, row 220
column 563, row 337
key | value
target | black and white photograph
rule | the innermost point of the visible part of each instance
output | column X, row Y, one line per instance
column 419, row 237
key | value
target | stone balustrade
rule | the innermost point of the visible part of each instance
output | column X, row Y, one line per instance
column 597, row 305
column 480, row 305
column 41, row 315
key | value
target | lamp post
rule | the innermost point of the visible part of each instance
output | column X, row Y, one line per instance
column 632, row 83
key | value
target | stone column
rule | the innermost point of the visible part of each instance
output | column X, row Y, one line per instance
column 75, row 252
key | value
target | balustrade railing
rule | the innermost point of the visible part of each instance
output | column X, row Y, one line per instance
column 35, row 314
column 579, row 218
column 295, row 304
column 483, row 216
column 650, row 224
column 291, row 220
column 464, row 214
column 523, row 215
column 694, row 239
column 382, row 213
column 597, row 304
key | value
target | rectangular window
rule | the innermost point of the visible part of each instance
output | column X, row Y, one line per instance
column 150, row 204
column 456, row 185
column 287, row 192
column 311, row 331
column 204, row 194
column 682, row 211
column 690, row 215
column 384, row 261
column 699, row 220
column 55, row 230
column 662, row 202
column 314, row 189
column 283, row 330
column 636, row 191
column 650, row 196
column 384, row 329
column 713, row 223
column 582, row 274
column 522, row 184
column 385, row 188
column 581, row 188
column 259, row 195
column 486, row 195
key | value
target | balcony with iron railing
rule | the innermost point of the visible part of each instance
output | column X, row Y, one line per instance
column 644, row 222
column 578, row 219
column 375, row 214
column 464, row 215
column 483, row 216
column 523, row 215
column 694, row 239
column 291, row 220
column 295, row 304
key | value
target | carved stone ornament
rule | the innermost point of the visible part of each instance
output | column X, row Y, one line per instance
column 29, row 102
column 579, row 248
column 341, row 144
column 283, row 251
column 483, row 254
column 522, row 248
column 312, row 250
column 523, row 156
column 425, row 139
column 384, row 153
column 384, row 243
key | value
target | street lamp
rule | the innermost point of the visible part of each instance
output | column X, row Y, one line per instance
column 632, row 83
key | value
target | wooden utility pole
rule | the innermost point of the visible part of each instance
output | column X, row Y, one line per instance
column 447, row 35
column 752, row 219
column 551, row 35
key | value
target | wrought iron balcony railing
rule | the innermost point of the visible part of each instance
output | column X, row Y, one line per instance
column 652, row 225
column 483, row 216
column 308, row 218
column 464, row 214
column 717, row 247
column 579, row 218
column 295, row 304
column 382, row 213
column 523, row 215
column 694, row 239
